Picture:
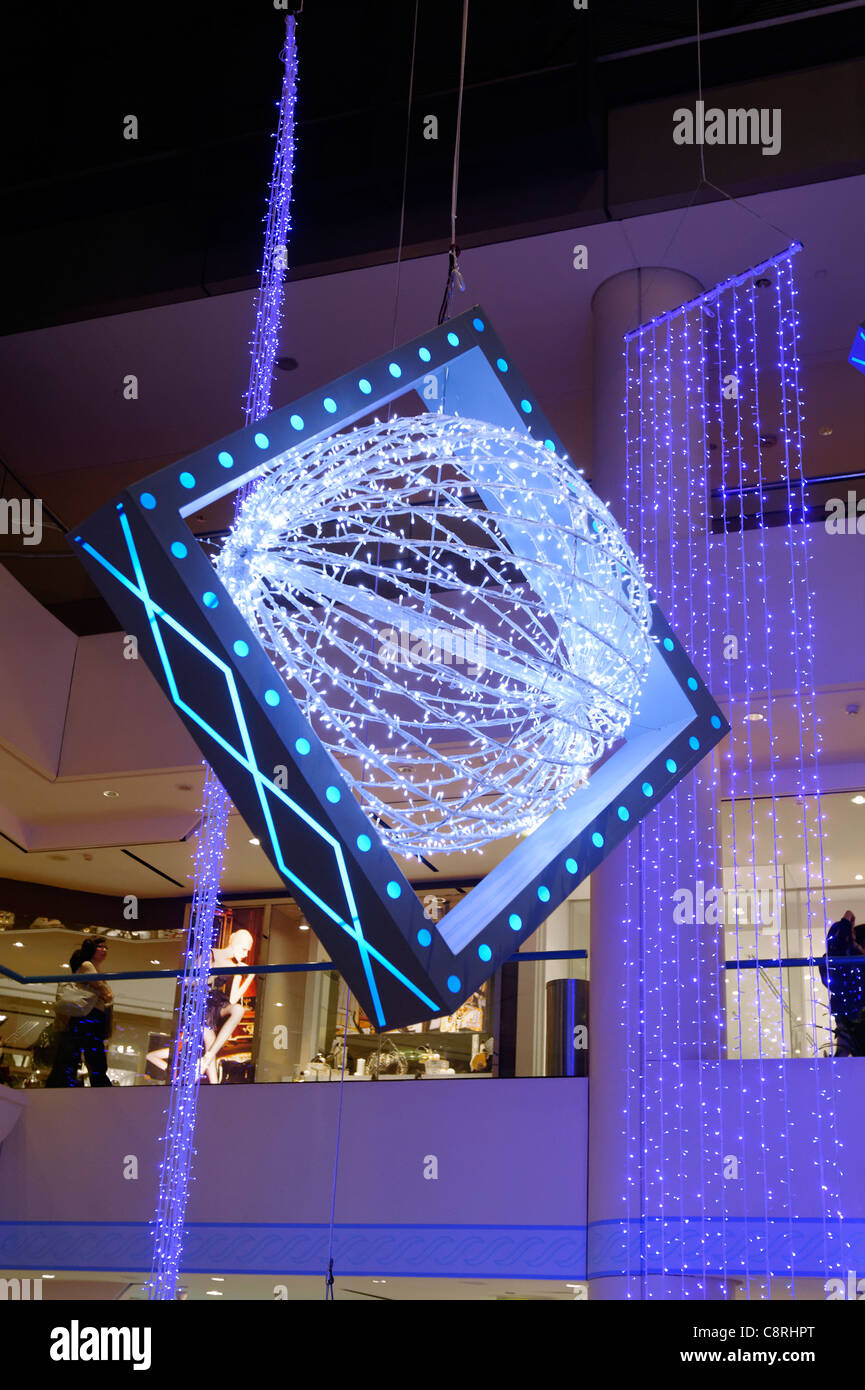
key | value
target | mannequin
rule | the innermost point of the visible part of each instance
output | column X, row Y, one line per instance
column 224, row 1010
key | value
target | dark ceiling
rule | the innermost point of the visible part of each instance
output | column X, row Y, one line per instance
column 93, row 223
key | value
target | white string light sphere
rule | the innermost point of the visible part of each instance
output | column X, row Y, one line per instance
column 461, row 620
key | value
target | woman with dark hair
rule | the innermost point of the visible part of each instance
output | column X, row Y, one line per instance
column 85, row 1033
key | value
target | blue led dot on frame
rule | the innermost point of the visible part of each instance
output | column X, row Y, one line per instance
column 501, row 364
column 453, row 983
column 424, row 354
column 453, row 340
column 365, row 386
column 485, row 953
column 393, row 889
column 526, row 407
column 179, row 550
column 261, row 441
column 623, row 813
column 330, row 405
column 544, row 894
column 272, row 697
column 364, row 843
column 480, row 326
column 715, row 721
column 148, row 501
column 668, row 643
column 648, row 789
column 187, row 480
column 394, row 368
column 225, row 459
column 571, row 865
column 548, row 444
column 242, row 648
column 333, row 795
column 424, row 938
column 296, row 422
column 515, row 922
column 302, row 745
column 598, row 840
column 692, row 683
column 694, row 742
column 210, row 600
column 671, row 765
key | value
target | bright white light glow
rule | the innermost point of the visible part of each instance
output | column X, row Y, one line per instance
column 461, row 620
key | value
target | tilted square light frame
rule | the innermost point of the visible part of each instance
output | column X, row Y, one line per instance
column 164, row 589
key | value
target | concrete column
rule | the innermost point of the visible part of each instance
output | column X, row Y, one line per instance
column 650, row 1023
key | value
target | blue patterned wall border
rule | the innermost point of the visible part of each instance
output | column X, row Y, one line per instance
column 490, row 1252
column 804, row 1245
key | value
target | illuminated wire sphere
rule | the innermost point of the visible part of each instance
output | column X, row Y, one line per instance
column 459, row 617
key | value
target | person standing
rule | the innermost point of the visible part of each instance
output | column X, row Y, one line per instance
column 844, row 981
column 86, row 1034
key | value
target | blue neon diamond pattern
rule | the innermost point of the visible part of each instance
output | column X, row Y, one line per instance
column 155, row 614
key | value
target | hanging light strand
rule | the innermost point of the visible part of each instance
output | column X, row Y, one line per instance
column 176, row 1166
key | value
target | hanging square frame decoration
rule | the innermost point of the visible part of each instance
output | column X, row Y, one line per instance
column 214, row 669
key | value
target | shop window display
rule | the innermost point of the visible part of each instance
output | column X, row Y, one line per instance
column 300, row 1033
column 284, row 1025
column 229, row 1026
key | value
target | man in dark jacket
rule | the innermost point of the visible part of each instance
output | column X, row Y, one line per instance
column 845, row 982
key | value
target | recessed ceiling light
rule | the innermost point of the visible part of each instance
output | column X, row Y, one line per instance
column 217, row 1278
column 17, row 943
column 155, row 962
column 213, row 1293
column 858, row 799
column 825, row 431
column 754, row 718
column 858, row 878
column 111, row 794
column 254, row 841
column 304, row 926
column 279, row 1004
column 48, row 1276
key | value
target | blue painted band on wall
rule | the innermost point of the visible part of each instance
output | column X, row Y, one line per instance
column 491, row 1252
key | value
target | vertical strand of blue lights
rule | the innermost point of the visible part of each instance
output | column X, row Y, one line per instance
column 699, row 560
column 808, row 727
column 728, row 618
column 675, row 380
column 678, row 508
column 175, row 1170
column 693, row 580
column 654, row 1139
column 752, row 622
column 770, row 655
column 632, row 1027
